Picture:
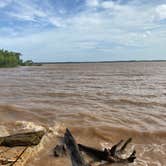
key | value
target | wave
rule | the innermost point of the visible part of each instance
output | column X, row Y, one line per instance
column 138, row 103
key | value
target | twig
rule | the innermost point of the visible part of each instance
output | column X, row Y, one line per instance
column 125, row 145
column 19, row 156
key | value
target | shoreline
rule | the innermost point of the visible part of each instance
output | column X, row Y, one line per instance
column 132, row 61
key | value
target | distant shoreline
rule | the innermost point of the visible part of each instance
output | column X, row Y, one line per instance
column 131, row 61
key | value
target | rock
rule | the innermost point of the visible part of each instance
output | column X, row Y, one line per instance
column 22, row 139
column 59, row 151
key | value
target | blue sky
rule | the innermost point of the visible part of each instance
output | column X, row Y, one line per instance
column 84, row 30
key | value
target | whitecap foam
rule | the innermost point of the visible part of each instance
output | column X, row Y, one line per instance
column 3, row 131
column 27, row 125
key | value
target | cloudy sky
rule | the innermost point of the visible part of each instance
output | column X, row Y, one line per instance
column 84, row 30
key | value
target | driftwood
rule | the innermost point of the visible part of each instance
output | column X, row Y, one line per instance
column 112, row 155
column 73, row 150
column 22, row 139
column 106, row 155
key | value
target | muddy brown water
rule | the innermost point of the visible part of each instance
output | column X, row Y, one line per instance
column 99, row 102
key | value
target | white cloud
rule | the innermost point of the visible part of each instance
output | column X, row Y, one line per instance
column 4, row 3
column 56, row 21
column 28, row 11
column 108, row 4
column 25, row 11
column 92, row 3
column 161, row 11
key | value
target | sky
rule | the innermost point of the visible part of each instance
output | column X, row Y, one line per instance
column 84, row 30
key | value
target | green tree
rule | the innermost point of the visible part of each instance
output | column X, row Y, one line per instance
column 9, row 58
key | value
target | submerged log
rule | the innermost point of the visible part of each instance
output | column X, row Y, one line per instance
column 112, row 155
column 22, row 139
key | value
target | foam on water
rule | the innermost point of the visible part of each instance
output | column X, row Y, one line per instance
column 3, row 131
column 25, row 125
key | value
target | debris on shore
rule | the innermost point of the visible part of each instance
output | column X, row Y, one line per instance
column 13, row 147
column 113, row 155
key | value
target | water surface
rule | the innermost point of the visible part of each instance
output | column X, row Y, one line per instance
column 100, row 102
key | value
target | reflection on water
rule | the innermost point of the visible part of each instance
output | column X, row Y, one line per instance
column 100, row 102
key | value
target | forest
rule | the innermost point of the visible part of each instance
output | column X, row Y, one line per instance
column 10, row 58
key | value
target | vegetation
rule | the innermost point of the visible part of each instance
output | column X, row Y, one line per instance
column 9, row 58
column 28, row 63
column 12, row 59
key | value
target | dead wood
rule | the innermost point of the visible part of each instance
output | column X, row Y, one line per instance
column 19, row 156
column 112, row 155
column 73, row 150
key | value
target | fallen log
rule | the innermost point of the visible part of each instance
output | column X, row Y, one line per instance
column 105, row 155
column 22, row 139
column 112, row 155
column 73, row 150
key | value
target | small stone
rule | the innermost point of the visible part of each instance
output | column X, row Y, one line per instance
column 59, row 151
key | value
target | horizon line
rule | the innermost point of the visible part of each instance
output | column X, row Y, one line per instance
column 116, row 61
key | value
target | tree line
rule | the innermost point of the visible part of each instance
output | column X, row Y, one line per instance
column 12, row 59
